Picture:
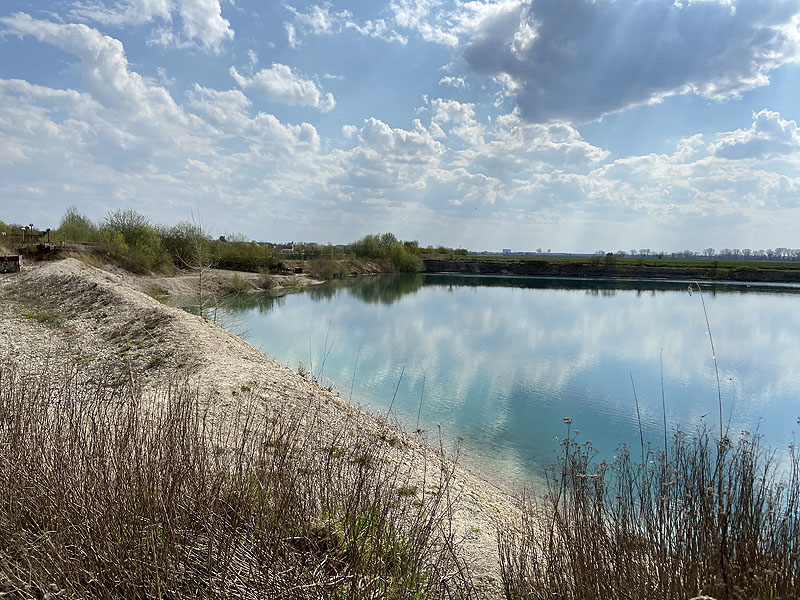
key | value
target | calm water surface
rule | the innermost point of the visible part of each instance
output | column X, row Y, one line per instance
column 500, row 362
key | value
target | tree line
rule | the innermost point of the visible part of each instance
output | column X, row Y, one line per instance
column 724, row 253
column 139, row 245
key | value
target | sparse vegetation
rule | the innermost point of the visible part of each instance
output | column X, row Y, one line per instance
column 703, row 516
column 265, row 281
column 44, row 317
column 237, row 285
column 126, row 498
column 326, row 268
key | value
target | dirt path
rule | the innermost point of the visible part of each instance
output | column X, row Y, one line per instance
column 64, row 308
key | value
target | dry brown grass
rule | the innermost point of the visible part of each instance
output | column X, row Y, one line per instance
column 107, row 494
column 708, row 517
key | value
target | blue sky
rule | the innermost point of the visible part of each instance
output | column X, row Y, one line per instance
column 575, row 125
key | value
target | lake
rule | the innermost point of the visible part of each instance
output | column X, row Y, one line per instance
column 502, row 361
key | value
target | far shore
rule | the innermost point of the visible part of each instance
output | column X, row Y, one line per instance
column 630, row 268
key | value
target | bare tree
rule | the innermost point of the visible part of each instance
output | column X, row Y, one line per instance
column 192, row 248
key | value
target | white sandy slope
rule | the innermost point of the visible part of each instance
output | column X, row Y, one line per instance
column 103, row 317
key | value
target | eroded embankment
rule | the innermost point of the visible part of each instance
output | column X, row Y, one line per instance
column 68, row 310
column 545, row 268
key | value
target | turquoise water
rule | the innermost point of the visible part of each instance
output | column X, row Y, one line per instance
column 500, row 362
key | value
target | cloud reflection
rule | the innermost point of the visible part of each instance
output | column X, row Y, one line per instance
column 505, row 359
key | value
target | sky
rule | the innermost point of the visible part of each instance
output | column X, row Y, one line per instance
column 571, row 125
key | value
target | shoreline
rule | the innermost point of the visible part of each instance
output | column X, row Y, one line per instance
column 60, row 308
column 711, row 270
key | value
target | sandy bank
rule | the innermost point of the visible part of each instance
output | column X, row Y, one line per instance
column 66, row 307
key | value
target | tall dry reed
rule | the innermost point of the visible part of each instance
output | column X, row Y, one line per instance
column 106, row 492
column 708, row 516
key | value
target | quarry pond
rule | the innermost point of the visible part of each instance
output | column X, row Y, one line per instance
column 500, row 362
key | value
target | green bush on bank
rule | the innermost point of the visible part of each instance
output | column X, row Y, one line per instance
column 131, row 239
column 405, row 261
column 236, row 252
column 404, row 255
column 75, row 227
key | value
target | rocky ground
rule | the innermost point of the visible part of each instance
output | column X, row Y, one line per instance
column 63, row 309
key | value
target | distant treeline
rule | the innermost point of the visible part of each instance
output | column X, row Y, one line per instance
column 139, row 245
column 724, row 253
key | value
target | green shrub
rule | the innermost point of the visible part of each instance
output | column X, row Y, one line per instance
column 404, row 261
column 325, row 268
column 134, row 242
column 75, row 227
column 188, row 245
column 235, row 252
column 265, row 280
column 237, row 285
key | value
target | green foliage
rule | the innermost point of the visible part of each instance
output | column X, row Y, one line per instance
column 404, row 255
column 404, row 260
column 187, row 244
column 235, row 252
column 265, row 280
column 370, row 247
column 9, row 228
column 44, row 317
column 114, row 243
column 325, row 268
column 131, row 239
column 237, row 285
column 76, row 227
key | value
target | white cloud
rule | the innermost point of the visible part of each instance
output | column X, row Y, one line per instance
column 461, row 116
column 694, row 183
column 378, row 29
column 416, row 15
column 225, row 109
column 450, row 25
column 132, row 12
column 291, row 35
column 202, row 21
column 387, row 161
column 280, row 84
column 768, row 136
column 104, row 70
column 122, row 139
column 456, row 82
column 320, row 19
column 229, row 111
column 511, row 148
column 580, row 59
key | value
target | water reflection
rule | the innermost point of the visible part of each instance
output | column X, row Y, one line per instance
column 381, row 289
column 504, row 360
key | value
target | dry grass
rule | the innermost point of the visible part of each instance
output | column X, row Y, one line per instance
column 106, row 494
column 710, row 517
